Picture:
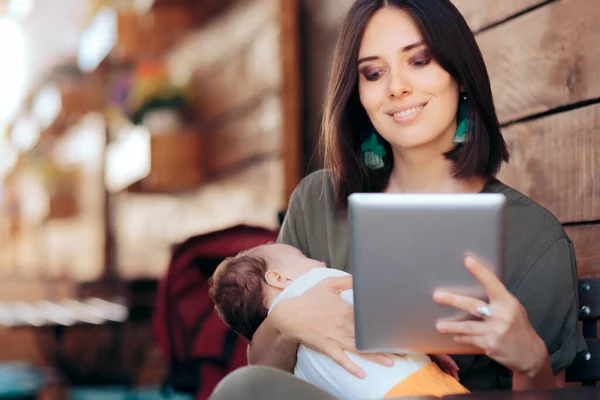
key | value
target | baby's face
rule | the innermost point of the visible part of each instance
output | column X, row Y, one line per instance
column 289, row 261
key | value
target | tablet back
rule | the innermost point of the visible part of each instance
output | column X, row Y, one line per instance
column 403, row 247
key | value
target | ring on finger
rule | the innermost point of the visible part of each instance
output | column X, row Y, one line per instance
column 483, row 311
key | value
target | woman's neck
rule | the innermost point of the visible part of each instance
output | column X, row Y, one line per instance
column 427, row 171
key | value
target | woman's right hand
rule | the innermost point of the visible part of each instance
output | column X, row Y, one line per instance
column 323, row 322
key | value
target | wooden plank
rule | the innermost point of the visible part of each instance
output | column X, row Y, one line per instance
column 201, row 11
column 478, row 13
column 586, row 239
column 235, row 86
column 555, row 161
column 248, row 137
column 326, row 14
column 150, row 34
column 21, row 344
column 291, row 94
column 544, row 59
column 35, row 289
column 221, row 40
column 8, row 256
column 483, row 13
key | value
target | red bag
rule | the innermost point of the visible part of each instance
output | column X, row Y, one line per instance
column 199, row 347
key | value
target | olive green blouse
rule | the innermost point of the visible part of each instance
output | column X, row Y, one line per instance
column 540, row 268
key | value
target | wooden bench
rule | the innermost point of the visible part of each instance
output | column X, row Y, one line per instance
column 586, row 368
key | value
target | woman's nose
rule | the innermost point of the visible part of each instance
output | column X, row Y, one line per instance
column 399, row 86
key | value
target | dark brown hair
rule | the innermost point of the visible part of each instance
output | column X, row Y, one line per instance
column 346, row 123
column 237, row 289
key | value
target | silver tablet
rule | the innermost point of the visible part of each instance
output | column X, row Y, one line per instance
column 403, row 247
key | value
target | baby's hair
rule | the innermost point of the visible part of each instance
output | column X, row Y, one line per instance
column 237, row 289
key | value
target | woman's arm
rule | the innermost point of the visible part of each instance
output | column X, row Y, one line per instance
column 539, row 374
column 270, row 347
column 320, row 320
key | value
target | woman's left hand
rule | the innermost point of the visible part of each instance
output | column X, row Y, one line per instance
column 503, row 332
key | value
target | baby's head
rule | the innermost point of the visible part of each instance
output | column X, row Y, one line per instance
column 244, row 286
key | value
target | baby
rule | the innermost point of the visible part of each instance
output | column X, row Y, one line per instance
column 246, row 287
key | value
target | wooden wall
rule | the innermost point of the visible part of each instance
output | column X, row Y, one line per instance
column 243, row 72
column 246, row 107
column 543, row 62
column 545, row 78
column 244, row 75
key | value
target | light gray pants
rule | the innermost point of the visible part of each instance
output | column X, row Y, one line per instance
column 265, row 383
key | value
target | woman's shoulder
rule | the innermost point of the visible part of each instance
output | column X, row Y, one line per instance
column 532, row 233
column 313, row 223
column 314, row 193
column 315, row 183
column 525, row 212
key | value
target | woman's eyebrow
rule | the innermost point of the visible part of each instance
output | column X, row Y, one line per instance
column 412, row 46
column 402, row 50
column 365, row 59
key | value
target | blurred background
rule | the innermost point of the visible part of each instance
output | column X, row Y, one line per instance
column 130, row 126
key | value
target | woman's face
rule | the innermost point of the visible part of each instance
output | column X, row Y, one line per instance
column 410, row 99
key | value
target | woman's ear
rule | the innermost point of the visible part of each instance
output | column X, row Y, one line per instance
column 276, row 279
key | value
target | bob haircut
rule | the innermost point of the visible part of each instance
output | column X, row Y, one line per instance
column 346, row 123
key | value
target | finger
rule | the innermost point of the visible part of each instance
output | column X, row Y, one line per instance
column 451, row 370
column 347, row 343
column 477, row 341
column 459, row 301
column 348, row 330
column 454, row 373
column 348, row 324
column 340, row 284
column 494, row 288
column 379, row 358
column 339, row 356
column 446, row 363
column 462, row 327
column 451, row 362
column 444, row 359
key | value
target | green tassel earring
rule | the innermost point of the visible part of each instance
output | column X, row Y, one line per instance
column 373, row 151
column 462, row 120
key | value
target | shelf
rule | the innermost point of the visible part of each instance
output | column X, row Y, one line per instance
column 174, row 163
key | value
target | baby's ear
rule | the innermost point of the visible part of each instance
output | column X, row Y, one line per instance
column 276, row 279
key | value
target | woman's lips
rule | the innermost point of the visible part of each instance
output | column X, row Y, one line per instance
column 407, row 114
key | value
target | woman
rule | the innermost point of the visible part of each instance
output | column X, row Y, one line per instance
column 410, row 109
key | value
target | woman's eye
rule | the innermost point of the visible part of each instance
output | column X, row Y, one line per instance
column 420, row 62
column 372, row 76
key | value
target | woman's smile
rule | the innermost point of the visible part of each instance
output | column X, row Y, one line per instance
column 406, row 114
